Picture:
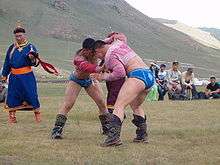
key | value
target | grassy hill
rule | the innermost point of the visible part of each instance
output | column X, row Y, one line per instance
column 58, row 27
column 181, row 132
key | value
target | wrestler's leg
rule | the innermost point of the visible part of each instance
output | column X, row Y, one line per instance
column 129, row 91
column 96, row 93
column 139, row 119
column 71, row 93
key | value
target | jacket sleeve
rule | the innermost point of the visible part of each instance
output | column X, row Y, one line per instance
column 118, row 71
column 6, row 67
column 85, row 66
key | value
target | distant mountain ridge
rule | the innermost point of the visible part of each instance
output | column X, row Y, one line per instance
column 205, row 38
column 215, row 32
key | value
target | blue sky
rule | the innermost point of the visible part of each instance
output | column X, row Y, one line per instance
column 196, row 13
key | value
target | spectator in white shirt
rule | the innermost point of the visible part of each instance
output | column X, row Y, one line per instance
column 174, row 79
column 188, row 81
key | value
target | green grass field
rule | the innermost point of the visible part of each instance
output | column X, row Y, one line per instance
column 180, row 133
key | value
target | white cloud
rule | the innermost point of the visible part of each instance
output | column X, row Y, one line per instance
column 190, row 12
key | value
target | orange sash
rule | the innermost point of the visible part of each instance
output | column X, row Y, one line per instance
column 22, row 70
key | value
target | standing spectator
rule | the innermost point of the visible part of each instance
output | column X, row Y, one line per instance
column 213, row 89
column 17, row 68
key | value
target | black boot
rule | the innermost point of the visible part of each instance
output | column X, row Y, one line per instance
column 103, row 120
column 114, row 130
column 58, row 128
column 141, row 130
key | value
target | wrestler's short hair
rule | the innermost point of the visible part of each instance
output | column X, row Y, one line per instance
column 88, row 43
column 19, row 30
column 98, row 44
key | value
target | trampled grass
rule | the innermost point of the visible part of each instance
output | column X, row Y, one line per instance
column 180, row 133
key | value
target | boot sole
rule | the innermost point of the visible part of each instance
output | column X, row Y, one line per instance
column 112, row 144
column 56, row 137
column 140, row 141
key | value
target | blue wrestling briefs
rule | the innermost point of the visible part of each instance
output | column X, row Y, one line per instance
column 143, row 74
column 82, row 82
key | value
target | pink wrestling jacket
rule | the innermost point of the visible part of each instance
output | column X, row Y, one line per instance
column 117, row 57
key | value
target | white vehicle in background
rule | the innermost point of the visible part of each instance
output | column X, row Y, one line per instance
column 198, row 82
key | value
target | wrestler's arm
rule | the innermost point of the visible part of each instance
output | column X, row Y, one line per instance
column 118, row 71
column 86, row 66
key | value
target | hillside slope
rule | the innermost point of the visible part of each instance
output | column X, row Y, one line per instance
column 58, row 27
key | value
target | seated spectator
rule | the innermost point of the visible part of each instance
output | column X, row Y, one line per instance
column 188, row 82
column 213, row 89
column 3, row 92
column 154, row 68
column 161, row 82
column 153, row 93
column 174, row 80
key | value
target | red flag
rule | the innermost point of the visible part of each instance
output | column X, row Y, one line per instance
column 48, row 67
